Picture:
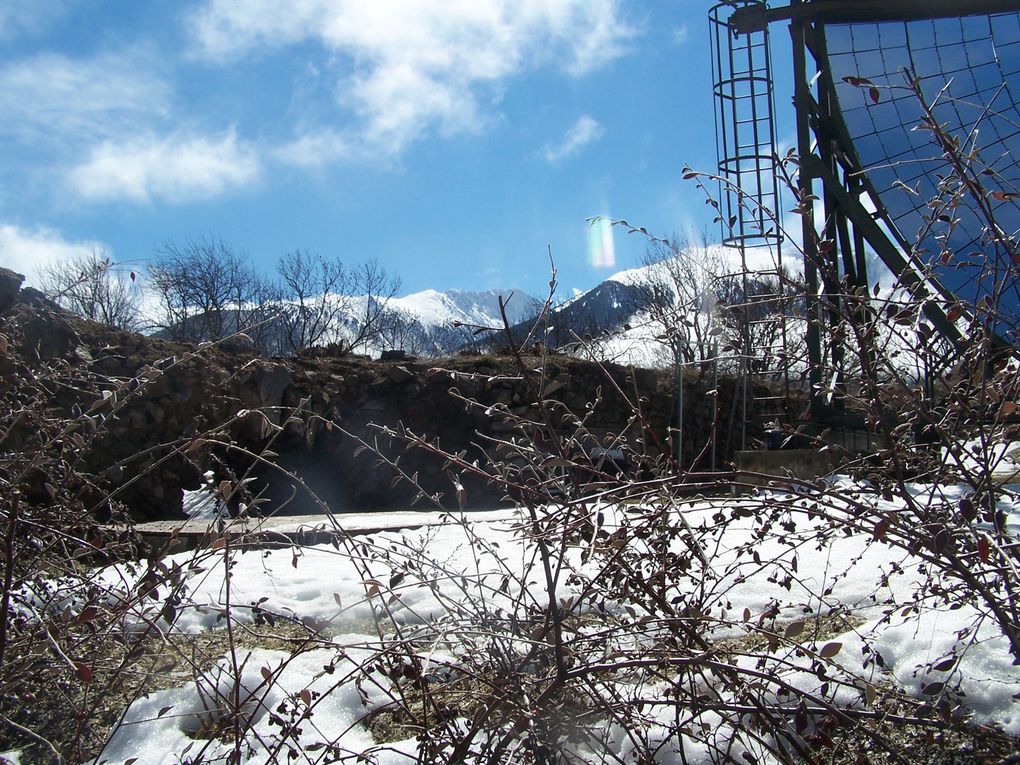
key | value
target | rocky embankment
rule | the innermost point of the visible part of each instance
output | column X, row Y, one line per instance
column 154, row 416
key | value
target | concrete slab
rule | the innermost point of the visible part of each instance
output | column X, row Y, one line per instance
column 283, row 531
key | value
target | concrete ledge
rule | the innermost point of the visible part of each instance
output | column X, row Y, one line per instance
column 777, row 467
column 285, row 531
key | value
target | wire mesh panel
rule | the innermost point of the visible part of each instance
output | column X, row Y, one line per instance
column 968, row 71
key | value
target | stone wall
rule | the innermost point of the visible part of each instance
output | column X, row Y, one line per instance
column 170, row 411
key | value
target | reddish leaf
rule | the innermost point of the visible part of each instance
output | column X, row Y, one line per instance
column 84, row 672
column 880, row 529
column 306, row 696
column 267, row 674
column 875, row 95
column 984, row 549
column 954, row 313
column 88, row 614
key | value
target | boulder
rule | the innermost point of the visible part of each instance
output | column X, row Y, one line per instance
column 10, row 286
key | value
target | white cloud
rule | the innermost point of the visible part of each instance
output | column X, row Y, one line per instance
column 583, row 132
column 177, row 168
column 315, row 148
column 680, row 34
column 102, row 116
column 56, row 99
column 26, row 251
column 407, row 69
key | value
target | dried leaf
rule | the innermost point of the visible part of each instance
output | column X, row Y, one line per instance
column 984, row 548
column 870, row 694
column 306, row 696
column 267, row 674
column 830, row 649
column 84, row 671
column 880, row 529
column 793, row 630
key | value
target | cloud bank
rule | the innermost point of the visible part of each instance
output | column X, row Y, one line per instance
column 177, row 168
column 27, row 251
column 405, row 70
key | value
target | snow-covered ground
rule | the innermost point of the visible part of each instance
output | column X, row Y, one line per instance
column 425, row 578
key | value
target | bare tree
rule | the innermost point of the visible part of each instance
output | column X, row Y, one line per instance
column 402, row 331
column 762, row 319
column 208, row 291
column 317, row 292
column 679, row 292
column 92, row 286
column 373, row 287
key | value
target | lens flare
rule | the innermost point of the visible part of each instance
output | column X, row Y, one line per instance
column 601, row 250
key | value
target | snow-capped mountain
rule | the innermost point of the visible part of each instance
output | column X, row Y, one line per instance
column 443, row 309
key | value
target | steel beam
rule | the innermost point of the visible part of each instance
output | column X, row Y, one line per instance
column 756, row 18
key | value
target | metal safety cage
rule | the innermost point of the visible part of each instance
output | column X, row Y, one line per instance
column 868, row 170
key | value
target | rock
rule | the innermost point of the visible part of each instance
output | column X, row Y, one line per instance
column 236, row 342
column 399, row 374
column 396, row 356
column 10, row 286
column 272, row 381
column 46, row 335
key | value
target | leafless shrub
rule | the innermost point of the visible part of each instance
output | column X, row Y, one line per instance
column 93, row 286
column 206, row 291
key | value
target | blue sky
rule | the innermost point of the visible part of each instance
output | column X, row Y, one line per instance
column 451, row 140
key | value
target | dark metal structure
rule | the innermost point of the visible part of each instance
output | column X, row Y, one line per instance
column 749, row 202
column 873, row 173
